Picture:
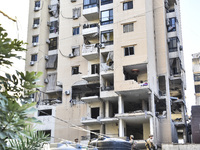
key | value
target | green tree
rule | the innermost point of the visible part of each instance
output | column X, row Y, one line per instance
column 15, row 91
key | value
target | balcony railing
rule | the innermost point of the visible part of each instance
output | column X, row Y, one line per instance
column 90, row 52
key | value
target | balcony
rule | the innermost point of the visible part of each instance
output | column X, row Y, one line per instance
column 90, row 30
column 135, row 116
column 91, row 77
column 90, row 121
column 90, row 52
column 86, row 92
column 91, row 11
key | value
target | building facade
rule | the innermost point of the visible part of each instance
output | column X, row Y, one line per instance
column 196, row 73
column 110, row 67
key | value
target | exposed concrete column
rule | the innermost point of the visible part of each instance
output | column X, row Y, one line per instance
column 121, row 128
column 107, row 108
column 151, row 125
column 102, row 129
column 120, row 105
column 144, row 105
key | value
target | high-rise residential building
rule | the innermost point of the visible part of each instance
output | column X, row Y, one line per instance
column 196, row 73
column 113, row 67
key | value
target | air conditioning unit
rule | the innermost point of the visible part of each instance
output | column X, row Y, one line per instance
column 34, row 44
column 46, row 57
column 35, row 26
column 49, row 7
column 32, row 63
column 46, row 81
column 75, row 16
column 36, row 8
column 73, row 0
column 168, row 22
column 48, row 23
column 102, row 45
column 71, row 55
column 67, row 92
column 48, row 41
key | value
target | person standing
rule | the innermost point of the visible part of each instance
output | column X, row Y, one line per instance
column 149, row 143
column 132, row 142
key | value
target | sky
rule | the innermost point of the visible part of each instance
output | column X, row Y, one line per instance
column 190, row 11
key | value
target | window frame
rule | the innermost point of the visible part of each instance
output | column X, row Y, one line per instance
column 53, row 27
column 90, row 4
column 197, row 77
column 35, row 39
column 128, row 6
column 104, row 2
column 173, row 44
column 53, row 45
column 37, row 4
column 110, row 42
column 110, row 17
column 95, row 69
column 128, row 27
column 36, row 21
column 75, row 31
column 128, row 53
column 172, row 24
column 197, row 88
column 34, row 57
column 74, row 72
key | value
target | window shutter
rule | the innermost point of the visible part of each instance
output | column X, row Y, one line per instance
column 52, row 82
column 52, row 62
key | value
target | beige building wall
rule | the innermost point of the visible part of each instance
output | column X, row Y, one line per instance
column 150, row 61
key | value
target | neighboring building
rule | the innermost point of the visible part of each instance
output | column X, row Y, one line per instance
column 196, row 72
column 113, row 67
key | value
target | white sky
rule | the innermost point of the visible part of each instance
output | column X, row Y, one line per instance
column 190, row 11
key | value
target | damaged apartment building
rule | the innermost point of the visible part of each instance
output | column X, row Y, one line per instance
column 113, row 67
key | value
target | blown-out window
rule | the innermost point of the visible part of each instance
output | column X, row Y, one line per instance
column 107, row 37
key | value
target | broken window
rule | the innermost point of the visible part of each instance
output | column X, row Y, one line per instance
column 75, row 70
column 107, row 37
column 45, row 112
column 173, row 44
column 54, row 10
column 136, row 130
column 127, row 5
column 107, row 17
column 53, row 43
column 51, row 62
column 95, row 69
column 35, row 39
column 197, row 88
column 46, row 132
column 94, row 136
column 197, row 77
column 172, row 25
column 52, row 79
column 162, row 85
column 76, row 50
column 34, row 57
column 104, row 2
column 54, row 27
column 36, row 21
column 108, row 63
column 129, row 51
column 76, row 13
column 175, row 66
column 94, row 112
column 107, row 83
column 128, row 27
column 130, row 74
column 90, row 3
column 75, row 31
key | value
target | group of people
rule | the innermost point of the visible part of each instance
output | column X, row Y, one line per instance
column 148, row 143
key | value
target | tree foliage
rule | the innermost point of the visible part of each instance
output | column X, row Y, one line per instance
column 15, row 91
column 33, row 140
